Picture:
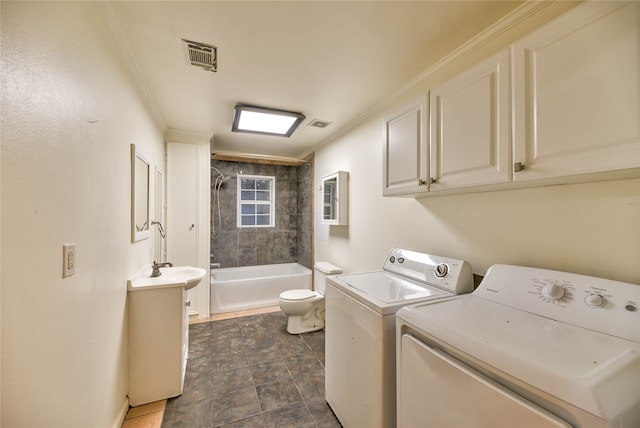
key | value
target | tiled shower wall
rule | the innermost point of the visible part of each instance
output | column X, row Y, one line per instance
column 291, row 238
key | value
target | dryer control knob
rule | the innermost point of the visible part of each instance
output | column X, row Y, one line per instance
column 554, row 291
column 595, row 300
column 441, row 270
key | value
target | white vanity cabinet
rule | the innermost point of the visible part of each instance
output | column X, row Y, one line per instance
column 470, row 123
column 405, row 155
column 335, row 198
column 158, row 343
column 576, row 100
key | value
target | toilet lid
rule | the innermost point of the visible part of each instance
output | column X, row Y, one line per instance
column 301, row 294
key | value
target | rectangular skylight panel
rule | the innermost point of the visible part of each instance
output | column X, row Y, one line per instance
column 265, row 122
column 261, row 120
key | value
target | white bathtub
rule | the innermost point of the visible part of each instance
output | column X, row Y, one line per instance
column 251, row 287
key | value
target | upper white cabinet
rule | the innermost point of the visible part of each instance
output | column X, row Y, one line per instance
column 561, row 105
column 406, row 167
column 576, row 93
column 469, row 120
column 335, row 198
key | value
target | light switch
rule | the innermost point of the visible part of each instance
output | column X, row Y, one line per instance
column 68, row 260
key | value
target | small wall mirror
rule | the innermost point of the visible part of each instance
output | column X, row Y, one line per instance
column 140, row 169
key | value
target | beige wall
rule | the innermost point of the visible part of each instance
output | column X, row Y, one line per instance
column 66, row 180
column 593, row 229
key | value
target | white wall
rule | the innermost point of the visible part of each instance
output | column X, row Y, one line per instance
column 66, row 180
column 593, row 229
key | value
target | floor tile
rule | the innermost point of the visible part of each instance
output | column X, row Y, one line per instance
column 232, row 380
column 278, row 393
column 235, row 405
column 268, row 371
column 259, row 355
column 322, row 414
column 302, row 363
column 255, row 421
column 249, row 372
column 192, row 415
column 292, row 416
column 311, row 384
column 228, row 361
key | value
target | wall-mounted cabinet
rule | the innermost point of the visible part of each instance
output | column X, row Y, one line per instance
column 576, row 101
column 406, row 168
column 470, row 127
column 561, row 105
column 335, row 198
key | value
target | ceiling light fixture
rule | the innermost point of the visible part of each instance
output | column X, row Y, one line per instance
column 265, row 121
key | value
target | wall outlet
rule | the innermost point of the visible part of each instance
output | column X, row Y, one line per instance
column 68, row 260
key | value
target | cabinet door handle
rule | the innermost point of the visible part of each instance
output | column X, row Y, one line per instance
column 518, row 166
column 421, row 182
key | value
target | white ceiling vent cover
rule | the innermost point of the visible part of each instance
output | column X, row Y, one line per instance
column 201, row 55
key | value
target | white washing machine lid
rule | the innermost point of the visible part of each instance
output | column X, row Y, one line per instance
column 593, row 371
column 298, row 294
column 385, row 292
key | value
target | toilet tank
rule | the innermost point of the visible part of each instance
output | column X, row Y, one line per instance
column 321, row 270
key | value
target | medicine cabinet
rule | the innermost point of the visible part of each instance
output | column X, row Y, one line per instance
column 140, row 170
column 335, row 202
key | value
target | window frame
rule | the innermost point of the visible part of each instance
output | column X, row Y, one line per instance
column 271, row 201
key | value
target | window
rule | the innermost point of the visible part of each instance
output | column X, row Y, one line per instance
column 256, row 201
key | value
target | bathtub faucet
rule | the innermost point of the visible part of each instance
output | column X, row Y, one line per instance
column 155, row 268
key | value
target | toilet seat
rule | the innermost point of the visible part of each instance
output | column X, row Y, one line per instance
column 300, row 294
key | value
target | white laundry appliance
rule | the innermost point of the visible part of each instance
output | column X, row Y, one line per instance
column 529, row 348
column 360, row 342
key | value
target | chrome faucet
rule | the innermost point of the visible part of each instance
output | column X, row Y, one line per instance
column 155, row 268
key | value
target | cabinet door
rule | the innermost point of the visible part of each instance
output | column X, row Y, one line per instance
column 577, row 93
column 406, row 168
column 470, row 142
column 187, row 224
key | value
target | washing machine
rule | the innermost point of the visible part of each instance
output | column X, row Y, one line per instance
column 360, row 367
column 529, row 348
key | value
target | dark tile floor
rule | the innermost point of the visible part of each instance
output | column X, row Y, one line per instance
column 249, row 372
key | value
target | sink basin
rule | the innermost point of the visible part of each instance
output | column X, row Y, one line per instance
column 190, row 275
column 177, row 276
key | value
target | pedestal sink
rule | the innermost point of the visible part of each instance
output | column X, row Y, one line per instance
column 187, row 276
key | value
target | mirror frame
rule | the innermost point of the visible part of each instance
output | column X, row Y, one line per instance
column 139, row 235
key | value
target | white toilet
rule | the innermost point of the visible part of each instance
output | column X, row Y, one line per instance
column 305, row 308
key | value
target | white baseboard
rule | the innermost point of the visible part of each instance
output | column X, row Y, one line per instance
column 122, row 414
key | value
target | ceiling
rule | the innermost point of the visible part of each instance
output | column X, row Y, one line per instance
column 330, row 60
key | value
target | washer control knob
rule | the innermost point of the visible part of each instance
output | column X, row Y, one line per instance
column 441, row 270
column 554, row 291
column 595, row 300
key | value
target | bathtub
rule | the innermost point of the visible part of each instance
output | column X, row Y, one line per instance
column 250, row 287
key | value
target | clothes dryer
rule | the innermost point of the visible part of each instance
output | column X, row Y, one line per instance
column 529, row 348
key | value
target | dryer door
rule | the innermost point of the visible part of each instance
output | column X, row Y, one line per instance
column 436, row 391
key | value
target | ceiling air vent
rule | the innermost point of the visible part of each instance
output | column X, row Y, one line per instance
column 201, row 55
column 319, row 123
